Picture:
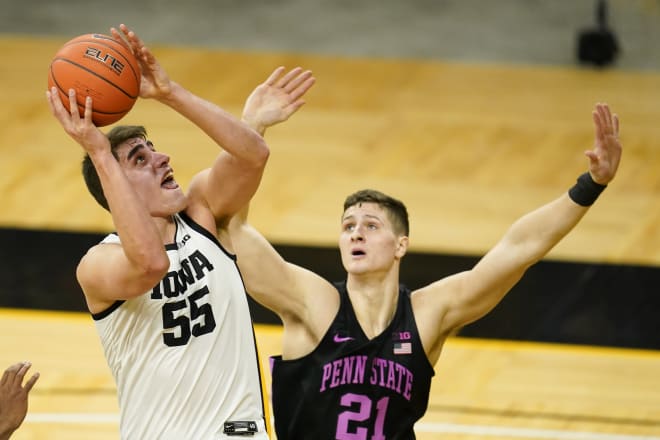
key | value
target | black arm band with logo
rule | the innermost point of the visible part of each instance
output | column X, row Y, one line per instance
column 585, row 191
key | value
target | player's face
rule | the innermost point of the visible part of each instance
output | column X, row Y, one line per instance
column 368, row 243
column 151, row 176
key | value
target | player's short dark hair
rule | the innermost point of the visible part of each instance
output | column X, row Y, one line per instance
column 395, row 209
column 117, row 136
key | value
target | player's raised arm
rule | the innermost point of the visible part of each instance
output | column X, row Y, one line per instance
column 462, row 298
column 236, row 172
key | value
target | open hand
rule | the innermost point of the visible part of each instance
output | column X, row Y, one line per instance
column 605, row 156
column 81, row 129
column 155, row 82
column 14, row 396
column 276, row 99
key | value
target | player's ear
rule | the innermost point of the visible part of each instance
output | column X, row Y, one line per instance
column 402, row 246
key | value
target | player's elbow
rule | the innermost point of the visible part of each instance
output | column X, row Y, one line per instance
column 151, row 268
column 156, row 266
column 261, row 154
column 148, row 275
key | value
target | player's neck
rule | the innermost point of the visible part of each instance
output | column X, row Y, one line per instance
column 374, row 301
column 166, row 227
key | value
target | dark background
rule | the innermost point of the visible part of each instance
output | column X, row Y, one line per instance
column 566, row 302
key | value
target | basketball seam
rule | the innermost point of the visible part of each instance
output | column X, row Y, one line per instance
column 108, row 46
column 82, row 106
column 93, row 73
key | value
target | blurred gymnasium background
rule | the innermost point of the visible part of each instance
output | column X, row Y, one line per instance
column 472, row 112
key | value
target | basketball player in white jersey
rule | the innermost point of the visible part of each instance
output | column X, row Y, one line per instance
column 164, row 290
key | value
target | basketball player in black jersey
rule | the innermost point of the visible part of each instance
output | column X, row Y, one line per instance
column 358, row 356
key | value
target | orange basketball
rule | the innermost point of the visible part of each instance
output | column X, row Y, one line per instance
column 98, row 66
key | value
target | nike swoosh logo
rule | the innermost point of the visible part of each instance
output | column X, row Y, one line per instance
column 338, row 339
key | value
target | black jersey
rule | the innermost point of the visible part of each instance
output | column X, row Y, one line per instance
column 351, row 387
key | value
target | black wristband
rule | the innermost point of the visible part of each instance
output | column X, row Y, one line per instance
column 585, row 191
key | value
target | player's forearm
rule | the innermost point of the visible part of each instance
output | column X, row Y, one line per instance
column 139, row 236
column 537, row 232
column 234, row 136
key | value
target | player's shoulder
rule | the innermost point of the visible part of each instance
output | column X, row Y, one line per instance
column 99, row 252
column 93, row 262
column 198, row 183
column 198, row 214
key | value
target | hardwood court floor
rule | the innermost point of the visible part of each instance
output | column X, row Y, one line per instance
column 482, row 389
column 468, row 147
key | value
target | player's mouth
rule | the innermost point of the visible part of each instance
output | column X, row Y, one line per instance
column 168, row 181
column 358, row 252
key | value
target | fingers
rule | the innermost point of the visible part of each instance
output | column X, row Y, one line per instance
column 31, row 381
column 73, row 104
column 74, row 117
column 298, row 81
column 131, row 41
column 606, row 123
column 604, row 157
column 57, row 106
column 598, row 129
column 119, row 39
column 301, row 89
column 292, row 108
column 55, row 101
column 288, row 77
column 88, row 109
column 292, row 80
column 138, row 47
column 616, row 125
column 14, row 375
column 273, row 76
column 9, row 373
column 20, row 374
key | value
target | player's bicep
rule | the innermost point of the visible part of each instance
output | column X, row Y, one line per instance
column 272, row 281
column 227, row 186
column 467, row 296
column 105, row 274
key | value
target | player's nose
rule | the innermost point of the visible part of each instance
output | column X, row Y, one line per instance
column 161, row 159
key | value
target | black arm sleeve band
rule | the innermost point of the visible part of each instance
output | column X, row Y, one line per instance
column 585, row 191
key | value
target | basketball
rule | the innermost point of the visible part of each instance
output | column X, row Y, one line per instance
column 98, row 66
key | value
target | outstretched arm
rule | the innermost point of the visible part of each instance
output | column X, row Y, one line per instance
column 269, row 278
column 14, row 397
column 305, row 302
column 273, row 102
column 462, row 298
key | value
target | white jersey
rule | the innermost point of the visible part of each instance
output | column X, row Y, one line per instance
column 183, row 354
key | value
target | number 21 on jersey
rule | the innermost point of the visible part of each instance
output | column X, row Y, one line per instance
column 362, row 418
